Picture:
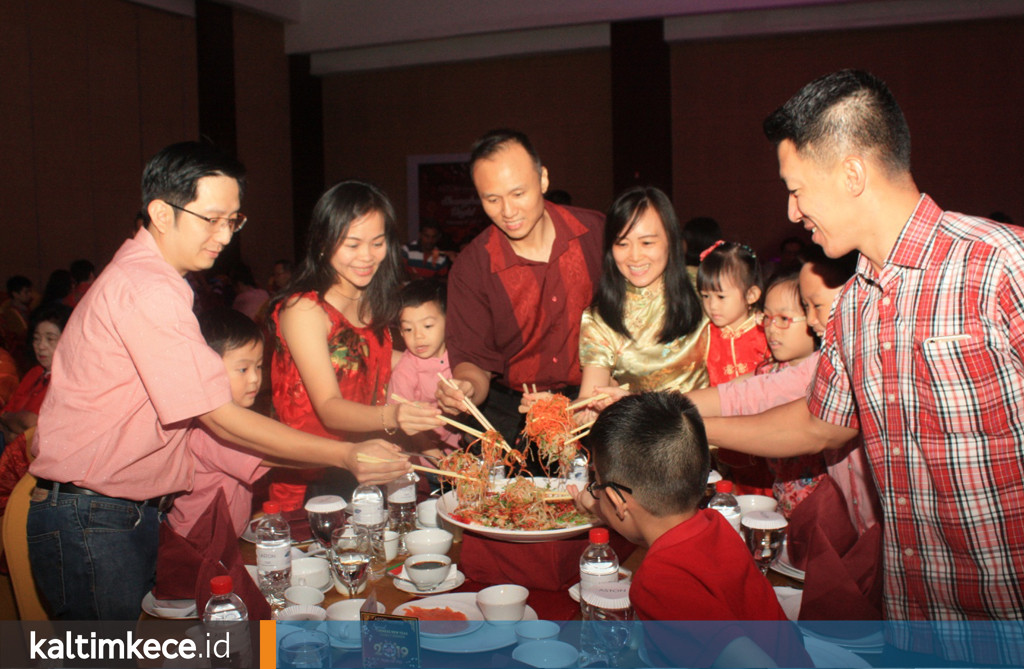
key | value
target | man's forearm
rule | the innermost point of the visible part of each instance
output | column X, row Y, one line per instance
column 785, row 431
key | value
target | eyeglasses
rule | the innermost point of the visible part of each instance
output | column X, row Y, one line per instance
column 230, row 223
column 782, row 322
column 594, row 487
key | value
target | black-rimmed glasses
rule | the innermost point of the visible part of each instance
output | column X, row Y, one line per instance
column 231, row 223
column 594, row 487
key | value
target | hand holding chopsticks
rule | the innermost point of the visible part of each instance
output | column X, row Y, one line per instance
column 364, row 457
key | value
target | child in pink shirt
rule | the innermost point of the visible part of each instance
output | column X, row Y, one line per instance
column 414, row 377
column 221, row 464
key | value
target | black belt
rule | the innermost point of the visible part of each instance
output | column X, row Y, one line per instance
column 162, row 503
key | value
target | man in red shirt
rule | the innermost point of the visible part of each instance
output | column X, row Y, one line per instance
column 517, row 292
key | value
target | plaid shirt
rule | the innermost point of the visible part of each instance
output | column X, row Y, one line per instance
column 925, row 358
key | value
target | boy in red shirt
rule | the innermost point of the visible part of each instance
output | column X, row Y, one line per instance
column 651, row 461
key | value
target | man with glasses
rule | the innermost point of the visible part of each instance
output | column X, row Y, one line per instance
column 131, row 374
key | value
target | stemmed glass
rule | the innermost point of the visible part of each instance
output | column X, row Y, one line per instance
column 766, row 530
column 326, row 513
column 351, row 553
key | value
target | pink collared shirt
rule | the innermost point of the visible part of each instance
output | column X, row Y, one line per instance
column 415, row 379
column 131, row 372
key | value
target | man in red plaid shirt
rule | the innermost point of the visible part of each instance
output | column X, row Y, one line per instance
column 924, row 356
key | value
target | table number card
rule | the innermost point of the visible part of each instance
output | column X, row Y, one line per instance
column 390, row 641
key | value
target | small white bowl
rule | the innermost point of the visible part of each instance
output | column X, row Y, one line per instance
column 303, row 594
column 348, row 609
column 302, row 612
column 750, row 503
column 427, row 570
column 546, row 654
column 431, row 540
column 312, row 571
column 426, row 512
column 536, row 630
column 503, row 603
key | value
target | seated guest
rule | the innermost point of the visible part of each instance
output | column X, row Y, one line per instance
column 14, row 319
column 423, row 258
column 83, row 273
column 8, row 376
column 22, row 411
column 651, row 463
column 221, row 465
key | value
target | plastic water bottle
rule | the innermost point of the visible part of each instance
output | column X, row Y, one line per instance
column 273, row 554
column 225, row 614
column 402, row 507
column 224, row 605
column 609, row 622
column 598, row 564
column 368, row 516
column 579, row 473
column 725, row 503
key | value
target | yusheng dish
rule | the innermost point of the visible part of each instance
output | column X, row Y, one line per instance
column 520, row 504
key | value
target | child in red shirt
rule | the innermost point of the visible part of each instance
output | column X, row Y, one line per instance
column 651, row 461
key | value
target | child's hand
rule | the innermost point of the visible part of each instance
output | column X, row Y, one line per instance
column 584, row 501
column 529, row 399
column 416, row 417
column 452, row 400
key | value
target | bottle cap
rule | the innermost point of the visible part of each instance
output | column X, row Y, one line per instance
column 325, row 504
column 714, row 477
column 599, row 535
column 271, row 507
column 764, row 520
column 723, row 486
column 221, row 585
column 608, row 595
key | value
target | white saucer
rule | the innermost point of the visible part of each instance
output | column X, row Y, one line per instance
column 484, row 639
column 783, row 566
column 445, row 586
column 574, row 590
column 169, row 609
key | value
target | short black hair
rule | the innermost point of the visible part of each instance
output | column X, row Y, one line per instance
column 81, row 269
column 18, row 283
column 699, row 234
column 654, row 443
column 226, row 329
column 849, row 108
column 497, row 140
column 834, row 272
column 173, row 174
column 422, row 291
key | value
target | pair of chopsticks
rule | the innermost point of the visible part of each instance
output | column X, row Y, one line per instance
column 475, row 412
column 373, row 459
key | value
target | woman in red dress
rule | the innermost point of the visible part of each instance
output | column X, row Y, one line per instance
column 332, row 348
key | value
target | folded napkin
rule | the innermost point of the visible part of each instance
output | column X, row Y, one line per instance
column 549, row 565
column 185, row 565
column 843, row 571
column 298, row 521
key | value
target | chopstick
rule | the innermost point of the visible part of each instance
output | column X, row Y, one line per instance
column 585, row 426
column 472, row 408
column 454, row 423
column 577, row 437
column 587, row 400
column 364, row 457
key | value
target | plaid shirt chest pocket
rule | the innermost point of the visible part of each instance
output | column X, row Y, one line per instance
column 959, row 382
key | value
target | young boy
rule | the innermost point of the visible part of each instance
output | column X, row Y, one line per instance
column 221, row 464
column 651, row 462
column 414, row 378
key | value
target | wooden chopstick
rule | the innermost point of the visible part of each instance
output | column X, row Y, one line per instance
column 585, row 426
column 475, row 412
column 364, row 457
column 587, row 400
column 454, row 423
column 577, row 437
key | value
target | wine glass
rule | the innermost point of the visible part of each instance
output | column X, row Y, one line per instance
column 326, row 513
column 351, row 553
column 766, row 530
column 305, row 649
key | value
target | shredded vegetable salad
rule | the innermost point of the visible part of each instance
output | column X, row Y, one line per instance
column 520, row 506
column 549, row 425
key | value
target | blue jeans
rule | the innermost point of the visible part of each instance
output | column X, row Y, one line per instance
column 93, row 557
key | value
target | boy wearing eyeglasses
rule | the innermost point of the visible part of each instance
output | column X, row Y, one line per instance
column 651, row 462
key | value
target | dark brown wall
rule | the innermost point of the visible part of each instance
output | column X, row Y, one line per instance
column 373, row 120
column 90, row 90
column 961, row 88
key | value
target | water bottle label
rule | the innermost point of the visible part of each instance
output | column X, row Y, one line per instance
column 273, row 558
column 404, row 495
column 588, row 580
column 368, row 515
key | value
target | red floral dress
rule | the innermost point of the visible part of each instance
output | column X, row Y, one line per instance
column 14, row 461
column 362, row 365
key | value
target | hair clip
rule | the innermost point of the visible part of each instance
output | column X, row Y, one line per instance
column 705, row 252
column 749, row 250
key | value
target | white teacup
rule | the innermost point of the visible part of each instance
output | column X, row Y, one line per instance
column 426, row 512
column 750, row 503
column 547, row 654
column 536, row 630
column 302, row 612
column 503, row 603
column 343, row 618
column 429, row 540
column 311, row 571
column 428, row 570
column 303, row 594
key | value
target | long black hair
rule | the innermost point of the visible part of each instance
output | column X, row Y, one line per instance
column 334, row 213
column 683, row 311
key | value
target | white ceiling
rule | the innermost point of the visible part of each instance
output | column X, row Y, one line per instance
column 344, row 35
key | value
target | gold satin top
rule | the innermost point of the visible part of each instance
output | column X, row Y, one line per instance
column 643, row 362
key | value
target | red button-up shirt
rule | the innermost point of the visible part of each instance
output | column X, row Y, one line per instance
column 519, row 318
